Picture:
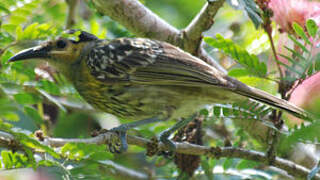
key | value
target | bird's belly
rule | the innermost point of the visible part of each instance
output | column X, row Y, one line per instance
column 138, row 102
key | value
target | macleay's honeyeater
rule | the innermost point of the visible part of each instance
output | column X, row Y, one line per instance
column 143, row 79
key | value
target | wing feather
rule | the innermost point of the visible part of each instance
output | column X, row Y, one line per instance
column 145, row 61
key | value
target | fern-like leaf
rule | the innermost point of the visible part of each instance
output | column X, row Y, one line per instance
column 305, row 134
column 246, row 110
column 249, row 61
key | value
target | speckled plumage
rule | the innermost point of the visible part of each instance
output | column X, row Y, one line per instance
column 143, row 79
column 127, row 78
column 137, row 78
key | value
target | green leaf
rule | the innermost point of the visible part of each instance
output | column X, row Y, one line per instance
column 226, row 111
column 29, row 142
column 9, row 116
column 49, row 87
column 34, row 115
column 245, row 164
column 17, row 19
column 31, row 159
column 308, row 134
column 238, row 72
column 292, row 69
column 227, row 163
column 204, row 112
column 296, row 54
column 78, row 151
column 7, row 159
column 101, row 155
column 292, row 61
column 300, row 32
column 312, row 27
column 298, row 44
column 208, row 165
column 9, row 27
column 19, row 33
column 20, row 160
column 253, row 12
column 27, row 98
column 2, row 8
column 249, row 61
column 47, row 163
column 74, row 36
column 53, row 99
column 30, row 32
column 94, row 27
column 5, row 126
column 217, row 111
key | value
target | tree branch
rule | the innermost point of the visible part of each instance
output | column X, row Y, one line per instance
column 137, row 19
column 7, row 140
column 143, row 22
column 192, row 34
column 191, row 149
column 296, row 170
column 72, row 7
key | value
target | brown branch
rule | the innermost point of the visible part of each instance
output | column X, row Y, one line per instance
column 192, row 34
column 143, row 22
column 137, row 19
column 183, row 148
column 191, row 149
column 8, row 141
column 72, row 9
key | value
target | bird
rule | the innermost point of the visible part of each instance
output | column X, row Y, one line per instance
column 144, row 80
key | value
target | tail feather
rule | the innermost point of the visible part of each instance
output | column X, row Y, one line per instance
column 271, row 100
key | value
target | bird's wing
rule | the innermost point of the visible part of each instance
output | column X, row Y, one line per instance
column 150, row 62
column 145, row 61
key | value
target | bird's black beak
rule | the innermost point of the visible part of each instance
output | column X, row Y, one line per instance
column 31, row 53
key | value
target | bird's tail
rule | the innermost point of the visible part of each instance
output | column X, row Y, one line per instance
column 271, row 100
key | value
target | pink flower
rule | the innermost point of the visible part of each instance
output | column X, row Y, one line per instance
column 286, row 12
column 306, row 95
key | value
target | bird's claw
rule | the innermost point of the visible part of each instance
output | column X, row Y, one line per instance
column 118, row 143
column 168, row 143
column 114, row 144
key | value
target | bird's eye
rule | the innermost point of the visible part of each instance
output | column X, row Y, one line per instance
column 61, row 44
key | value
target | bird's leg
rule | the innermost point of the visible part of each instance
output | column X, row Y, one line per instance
column 123, row 128
column 164, row 135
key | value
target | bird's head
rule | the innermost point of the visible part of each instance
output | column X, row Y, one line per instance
column 60, row 52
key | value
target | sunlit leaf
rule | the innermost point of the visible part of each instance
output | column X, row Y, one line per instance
column 312, row 27
column 300, row 32
column 26, row 98
column 249, row 61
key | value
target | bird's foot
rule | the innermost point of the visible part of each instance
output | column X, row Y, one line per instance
column 122, row 132
column 153, row 147
column 164, row 138
column 118, row 144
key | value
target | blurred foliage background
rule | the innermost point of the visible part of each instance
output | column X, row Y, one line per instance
column 34, row 96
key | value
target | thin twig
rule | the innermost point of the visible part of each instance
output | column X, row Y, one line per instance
column 72, row 9
column 274, row 53
column 276, row 118
column 192, row 34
